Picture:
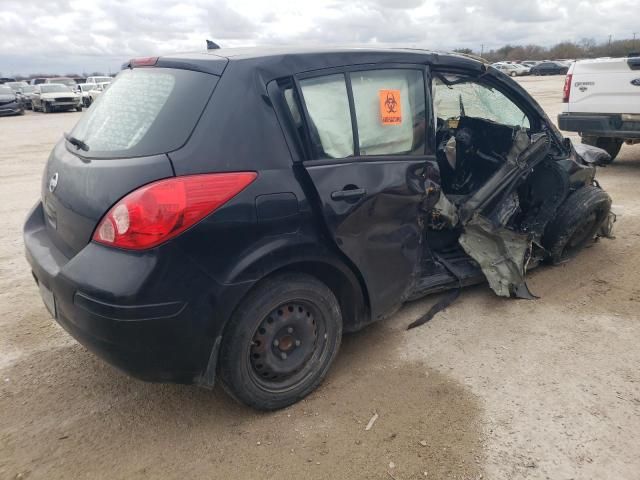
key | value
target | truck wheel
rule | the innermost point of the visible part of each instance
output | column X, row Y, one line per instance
column 280, row 342
column 79, row 108
column 610, row 145
column 576, row 223
column 513, row 74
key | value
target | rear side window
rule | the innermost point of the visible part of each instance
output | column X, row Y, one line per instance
column 330, row 118
column 388, row 113
column 390, row 110
column 145, row 111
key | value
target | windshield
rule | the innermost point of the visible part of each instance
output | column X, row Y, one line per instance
column 85, row 87
column 15, row 85
column 5, row 90
column 145, row 111
column 27, row 88
column 54, row 88
column 64, row 81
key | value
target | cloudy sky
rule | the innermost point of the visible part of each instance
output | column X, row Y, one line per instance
column 65, row 36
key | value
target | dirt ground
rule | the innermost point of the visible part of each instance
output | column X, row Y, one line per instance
column 491, row 388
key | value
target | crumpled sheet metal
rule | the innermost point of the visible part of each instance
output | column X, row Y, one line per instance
column 502, row 255
column 592, row 155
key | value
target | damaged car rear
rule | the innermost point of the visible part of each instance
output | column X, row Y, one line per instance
column 234, row 234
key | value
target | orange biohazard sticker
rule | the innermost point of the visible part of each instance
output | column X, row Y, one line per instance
column 390, row 107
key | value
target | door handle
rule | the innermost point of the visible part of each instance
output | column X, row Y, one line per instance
column 352, row 194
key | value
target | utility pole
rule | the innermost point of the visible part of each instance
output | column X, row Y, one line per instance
column 609, row 47
column 634, row 40
column 482, row 47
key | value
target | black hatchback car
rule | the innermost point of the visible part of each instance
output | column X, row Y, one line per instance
column 228, row 215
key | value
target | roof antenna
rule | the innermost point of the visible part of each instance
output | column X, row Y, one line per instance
column 212, row 45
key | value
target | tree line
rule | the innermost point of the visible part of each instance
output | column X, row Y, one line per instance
column 585, row 48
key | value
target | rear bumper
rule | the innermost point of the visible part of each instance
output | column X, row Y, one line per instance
column 153, row 314
column 601, row 125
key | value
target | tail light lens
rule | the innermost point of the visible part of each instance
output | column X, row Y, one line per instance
column 162, row 210
column 566, row 90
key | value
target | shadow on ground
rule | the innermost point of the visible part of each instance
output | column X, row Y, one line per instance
column 68, row 415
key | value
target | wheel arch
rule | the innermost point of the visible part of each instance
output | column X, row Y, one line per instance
column 348, row 288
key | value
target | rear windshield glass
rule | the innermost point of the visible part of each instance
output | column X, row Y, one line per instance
column 145, row 111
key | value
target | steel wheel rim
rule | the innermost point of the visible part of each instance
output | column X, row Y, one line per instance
column 286, row 345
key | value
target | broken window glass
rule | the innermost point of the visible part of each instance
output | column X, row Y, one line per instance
column 473, row 99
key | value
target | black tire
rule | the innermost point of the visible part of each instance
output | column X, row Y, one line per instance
column 293, row 310
column 79, row 108
column 576, row 223
column 45, row 108
column 611, row 145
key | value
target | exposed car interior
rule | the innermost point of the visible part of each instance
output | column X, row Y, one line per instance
column 476, row 127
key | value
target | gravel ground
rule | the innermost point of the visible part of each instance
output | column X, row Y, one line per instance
column 490, row 388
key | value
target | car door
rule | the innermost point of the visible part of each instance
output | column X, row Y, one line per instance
column 368, row 149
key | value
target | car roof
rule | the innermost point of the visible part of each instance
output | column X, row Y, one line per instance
column 281, row 61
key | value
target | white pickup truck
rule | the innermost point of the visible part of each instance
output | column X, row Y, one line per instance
column 602, row 102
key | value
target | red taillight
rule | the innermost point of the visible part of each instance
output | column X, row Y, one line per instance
column 143, row 62
column 566, row 90
column 162, row 210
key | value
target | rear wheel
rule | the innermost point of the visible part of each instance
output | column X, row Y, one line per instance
column 280, row 342
column 576, row 223
column 45, row 107
column 611, row 145
column 513, row 74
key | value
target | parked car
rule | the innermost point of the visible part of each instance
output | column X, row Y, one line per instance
column 507, row 69
column 69, row 82
column 241, row 250
column 602, row 102
column 26, row 93
column 549, row 68
column 16, row 86
column 103, row 79
column 38, row 81
column 4, row 80
column 85, row 89
column 512, row 69
column 94, row 93
column 10, row 102
column 50, row 97
column 524, row 69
